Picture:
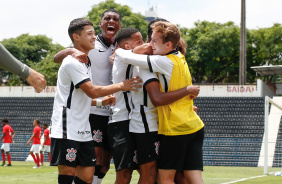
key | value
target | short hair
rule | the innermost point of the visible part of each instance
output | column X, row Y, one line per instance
column 169, row 31
column 45, row 124
column 5, row 120
column 37, row 121
column 77, row 25
column 125, row 34
column 149, row 29
column 111, row 10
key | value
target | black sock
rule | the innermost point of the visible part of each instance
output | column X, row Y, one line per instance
column 77, row 180
column 65, row 179
column 97, row 170
column 101, row 175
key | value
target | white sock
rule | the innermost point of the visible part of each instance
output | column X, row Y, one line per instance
column 99, row 181
column 95, row 180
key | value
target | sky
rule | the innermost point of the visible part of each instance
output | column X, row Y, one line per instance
column 52, row 17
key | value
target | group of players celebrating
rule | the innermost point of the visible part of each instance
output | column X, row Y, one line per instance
column 122, row 98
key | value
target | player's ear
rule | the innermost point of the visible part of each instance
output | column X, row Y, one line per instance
column 127, row 46
column 168, row 44
column 75, row 37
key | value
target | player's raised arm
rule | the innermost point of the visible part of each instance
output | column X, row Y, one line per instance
column 81, row 56
column 98, row 91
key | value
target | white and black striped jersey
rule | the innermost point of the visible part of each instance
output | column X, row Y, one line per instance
column 155, row 63
column 122, row 108
column 144, row 116
column 101, row 70
column 70, row 118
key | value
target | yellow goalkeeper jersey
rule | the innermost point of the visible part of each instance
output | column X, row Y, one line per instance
column 179, row 118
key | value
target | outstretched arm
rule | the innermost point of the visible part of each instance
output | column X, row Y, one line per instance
column 98, row 91
column 159, row 98
column 11, row 64
column 59, row 57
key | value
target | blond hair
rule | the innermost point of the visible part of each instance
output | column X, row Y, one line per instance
column 169, row 31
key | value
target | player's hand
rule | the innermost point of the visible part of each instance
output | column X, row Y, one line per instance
column 80, row 56
column 195, row 108
column 131, row 84
column 112, row 58
column 37, row 80
column 193, row 91
column 143, row 49
column 109, row 100
column 27, row 143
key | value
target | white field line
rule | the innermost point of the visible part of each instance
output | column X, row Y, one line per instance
column 243, row 179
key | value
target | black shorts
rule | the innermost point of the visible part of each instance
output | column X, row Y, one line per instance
column 99, row 126
column 182, row 152
column 72, row 153
column 147, row 146
column 122, row 145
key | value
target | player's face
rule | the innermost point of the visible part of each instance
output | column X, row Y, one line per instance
column 110, row 24
column 86, row 39
column 136, row 40
column 159, row 48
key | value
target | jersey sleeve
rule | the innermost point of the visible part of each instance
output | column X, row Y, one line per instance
column 77, row 72
column 147, row 76
column 155, row 63
column 46, row 132
column 5, row 130
column 11, row 64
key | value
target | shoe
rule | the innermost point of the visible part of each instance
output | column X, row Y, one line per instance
column 3, row 164
column 48, row 165
column 8, row 165
column 36, row 167
column 40, row 163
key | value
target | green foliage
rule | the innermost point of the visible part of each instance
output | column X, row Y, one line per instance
column 35, row 51
column 129, row 19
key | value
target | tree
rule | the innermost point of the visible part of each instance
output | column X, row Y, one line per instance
column 129, row 19
column 267, row 46
column 33, row 51
column 213, row 50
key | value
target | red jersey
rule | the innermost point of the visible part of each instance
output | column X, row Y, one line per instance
column 48, row 141
column 7, row 129
column 37, row 131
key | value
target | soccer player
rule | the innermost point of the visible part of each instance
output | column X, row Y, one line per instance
column 72, row 145
column 36, row 136
column 46, row 144
column 8, row 136
column 181, row 130
column 121, row 141
column 101, row 68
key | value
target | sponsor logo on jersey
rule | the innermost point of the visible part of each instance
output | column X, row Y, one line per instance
column 83, row 132
column 103, row 107
column 97, row 136
column 71, row 155
column 102, row 50
column 157, row 144
column 135, row 157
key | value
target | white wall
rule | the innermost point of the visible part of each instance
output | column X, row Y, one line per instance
column 258, row 90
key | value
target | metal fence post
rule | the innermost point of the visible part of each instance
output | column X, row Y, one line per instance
column 24, row 148
column 236, row 140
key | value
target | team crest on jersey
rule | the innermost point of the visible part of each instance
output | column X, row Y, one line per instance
column 97, row 136
column 135, row 157
column 157, row 144
column 71, row 155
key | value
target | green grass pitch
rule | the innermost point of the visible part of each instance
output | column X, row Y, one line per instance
column 23, row 173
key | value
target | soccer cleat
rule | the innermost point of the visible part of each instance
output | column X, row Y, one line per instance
column 3, row 164
column 36, row 167
column 40, row 163
column 8, row 165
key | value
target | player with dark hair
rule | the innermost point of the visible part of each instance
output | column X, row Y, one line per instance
column 120, row 140
column 101, row 68
column 36, row 143
column 45, row 146
column 72, row 146
column 8, row 136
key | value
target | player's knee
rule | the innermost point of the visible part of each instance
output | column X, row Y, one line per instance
column 77, row 180
column 8, row 153
column 2, row 151
column 31, row 152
